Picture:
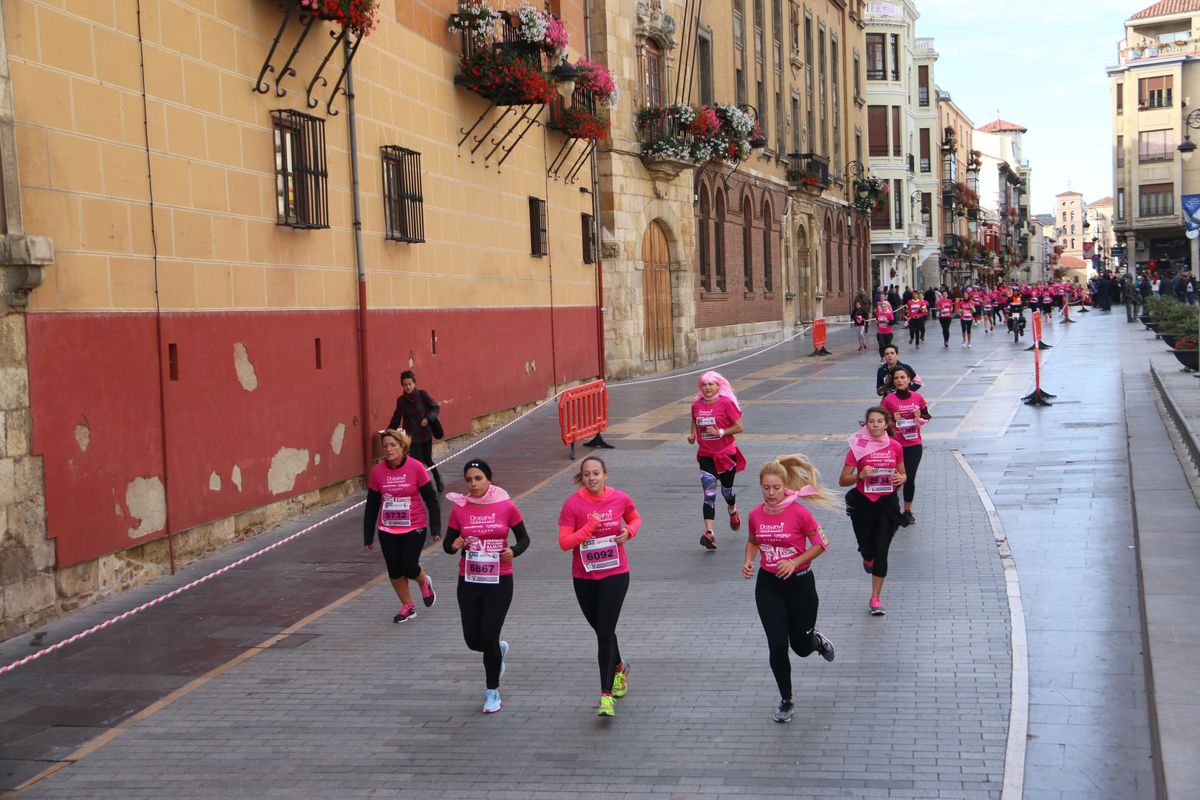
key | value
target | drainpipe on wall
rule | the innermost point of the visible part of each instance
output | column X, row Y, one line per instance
column 596, row 226
column 363, row 373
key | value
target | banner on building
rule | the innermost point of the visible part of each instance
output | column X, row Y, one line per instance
column 1191, row 211
column 1088, row 251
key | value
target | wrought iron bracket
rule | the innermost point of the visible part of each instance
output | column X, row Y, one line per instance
column 304, row 21
column 505, row 143
column 559, row 169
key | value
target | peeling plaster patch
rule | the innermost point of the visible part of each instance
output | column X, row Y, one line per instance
column 247, row 377
column 214, row 482
column 339, row 436
column 83, row 435
column 530, row 367
column 236, row 476
column 286, row 465
column 120, row 512
column 317, row 458
column 146, row 500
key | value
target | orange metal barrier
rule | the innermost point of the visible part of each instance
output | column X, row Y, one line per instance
column 820, row 338
column 583, row 412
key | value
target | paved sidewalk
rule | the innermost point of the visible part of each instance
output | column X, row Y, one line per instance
column 916, row 704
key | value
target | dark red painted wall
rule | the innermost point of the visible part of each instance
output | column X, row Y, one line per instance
column 100, row 370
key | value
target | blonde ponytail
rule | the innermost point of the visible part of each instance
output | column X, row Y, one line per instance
column 797, row 472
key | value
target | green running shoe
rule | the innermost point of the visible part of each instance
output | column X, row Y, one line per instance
column 607, row 707
column 621, row 681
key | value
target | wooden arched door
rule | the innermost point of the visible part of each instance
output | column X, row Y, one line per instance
column 656, row 294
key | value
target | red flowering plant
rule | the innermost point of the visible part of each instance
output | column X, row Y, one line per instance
column 1188, row 342
column 359, row 16
column 505, row 75
column 587, row 116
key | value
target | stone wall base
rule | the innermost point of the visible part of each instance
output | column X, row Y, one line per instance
column 49, row 595
column 719, row 341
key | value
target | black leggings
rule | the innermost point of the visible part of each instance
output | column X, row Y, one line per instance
column 601, row 601
column 875, row 524
column 708, row 472
column 423, row 452
column 402, row 553
column 912, row 462
column 484, row 607
column 788, row 610
column 884, row 340
column 916, row 330
column 945, row 328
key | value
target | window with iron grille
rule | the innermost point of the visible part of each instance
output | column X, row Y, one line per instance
column 301, row 177
column 403, row 203
column 588, row 230
column 539, row 243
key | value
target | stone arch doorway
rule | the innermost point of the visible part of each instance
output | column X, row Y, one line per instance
column 656, row 293
column 803, row 275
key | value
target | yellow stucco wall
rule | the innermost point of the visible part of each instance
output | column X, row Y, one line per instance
column 82, row 144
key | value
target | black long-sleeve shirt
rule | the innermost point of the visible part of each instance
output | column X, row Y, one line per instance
column 375, row 500
column 518, row 531
column 411, row 409
column 883, row 378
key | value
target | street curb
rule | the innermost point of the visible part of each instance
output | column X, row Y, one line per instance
column 1018, row 715
column 1187, row 433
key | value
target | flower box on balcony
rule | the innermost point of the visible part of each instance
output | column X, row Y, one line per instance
column 692, row 135
column 506, row 56
column 808, row 172
column 360, row 16
column 586, row 117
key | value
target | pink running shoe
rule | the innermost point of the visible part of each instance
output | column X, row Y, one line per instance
column 428, row 595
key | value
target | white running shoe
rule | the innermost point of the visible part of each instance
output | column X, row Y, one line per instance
column 491, row 701
column 503, row 657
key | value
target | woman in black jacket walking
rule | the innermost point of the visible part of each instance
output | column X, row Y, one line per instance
column 417, row 414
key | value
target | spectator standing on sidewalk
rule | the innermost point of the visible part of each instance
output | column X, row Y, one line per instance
column 478, row 531
column 595, row 523
column 859, row 317
column 402, row 506
column 417, row 413
column 786, row 538
column 874, row 468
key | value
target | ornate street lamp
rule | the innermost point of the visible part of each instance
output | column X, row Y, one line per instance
column 1187, row 146
column 865, row 190
column 565, row 75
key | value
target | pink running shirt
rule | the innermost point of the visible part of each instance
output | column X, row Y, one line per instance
column 908, row 430
column 785, row 535
column 485, row 529
column 720, row 413
column 402, row 509
column 613, row 507
column 886, row 459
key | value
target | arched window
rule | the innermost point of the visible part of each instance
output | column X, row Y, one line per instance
column 828, row 284
column 842, row 257
column 768, row 276
column 652, row 80
column 719, row 242
column 748, row 243
column 702, row 240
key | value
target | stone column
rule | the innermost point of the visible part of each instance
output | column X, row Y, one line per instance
column 27, row 589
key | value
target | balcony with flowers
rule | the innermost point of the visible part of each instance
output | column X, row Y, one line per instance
column 678, row 136
column 586, row 114
column 507, row 56
column 808, row 172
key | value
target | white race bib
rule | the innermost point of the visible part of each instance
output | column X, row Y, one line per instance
column 397, row 512
column 600, row 554
column 879, row 481
column 482, row 567
column 703, row 423
column 907, row 428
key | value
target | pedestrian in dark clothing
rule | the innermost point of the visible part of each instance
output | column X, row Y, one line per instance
column 417, row 414
column 893, row 297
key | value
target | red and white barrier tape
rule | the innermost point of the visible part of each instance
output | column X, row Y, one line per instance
column 470, row 446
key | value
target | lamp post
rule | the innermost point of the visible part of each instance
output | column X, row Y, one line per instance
column 862, row 189
column 1186, row 148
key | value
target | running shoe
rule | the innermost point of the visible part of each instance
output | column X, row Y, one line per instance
column 868, row 566
column 621, row 680
column 708, row 540
column 406, row 613
column 823, row 645
column 491, row 701
column 607, row 707
column 876, row 608
column 735, row 520
column 945, row 344
column 909, row 519
column 428, row 595
column 503, row 657
column 784, row 712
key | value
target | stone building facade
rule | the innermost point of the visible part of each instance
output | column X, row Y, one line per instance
column 239, row 275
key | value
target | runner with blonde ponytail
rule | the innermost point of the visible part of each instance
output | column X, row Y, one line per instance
column 787, row 538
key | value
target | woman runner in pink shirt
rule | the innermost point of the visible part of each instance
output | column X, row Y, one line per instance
column 874, row 467
column 786, row 538
column 595, row 523
column 716, row 418
column 884, row 317
column 402, row 505
column 478, row 531
column 909, row 413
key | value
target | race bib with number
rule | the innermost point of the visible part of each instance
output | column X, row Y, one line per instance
column 600, row 554
column 397, row 512
column 907, row 428
column 482, row 567
column 879, row 481
column 703, row 423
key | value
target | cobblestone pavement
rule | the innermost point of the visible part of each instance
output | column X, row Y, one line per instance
column 916, row 704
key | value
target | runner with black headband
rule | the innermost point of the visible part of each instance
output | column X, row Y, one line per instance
column 478, row 531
